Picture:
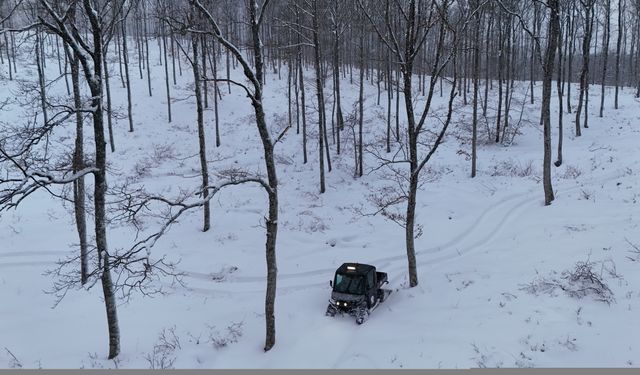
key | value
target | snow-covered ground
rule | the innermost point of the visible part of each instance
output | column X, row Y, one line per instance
column 490, row 261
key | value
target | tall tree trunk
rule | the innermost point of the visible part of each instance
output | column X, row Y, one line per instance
column 500, row 78
column 336, row 82
column 173, row 56
column 571, row 51
column 487, row 65
column 584, row 74
column 119, row 48
column 146, row 46
column 78, row 164
column 303, row 102
column 7, row 45
column 508, row 79
column 361, row 105
column 205, row 79
column 533, row 53
column 621, row 6
column 389, row 98
column 605, row 51
column 100, row 183
column 476, row 82
column 560, row 90
column 166, row 70
column 107, row 86
column 41, row 78
column 637, row 51
column 201, row 135
column 216, row 112
column 319, row 93
column 550, row 56
column 125, row 55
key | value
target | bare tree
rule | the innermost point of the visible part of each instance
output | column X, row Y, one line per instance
column 255, row 77
column 417, row 21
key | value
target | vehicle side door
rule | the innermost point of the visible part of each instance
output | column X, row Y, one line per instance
column 371, row 288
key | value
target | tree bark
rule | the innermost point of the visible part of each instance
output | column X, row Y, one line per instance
column 550, row 56
column 584, row 74
column 361, row 106
column 621, row 5
column 319, row 94
column 78, row 164
column 125, row 55
column 107, row 86
column 476, row 81
column 605, row 52
column 166, row 71
column 204, row 170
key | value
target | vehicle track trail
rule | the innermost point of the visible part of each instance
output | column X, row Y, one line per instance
column 487, row 226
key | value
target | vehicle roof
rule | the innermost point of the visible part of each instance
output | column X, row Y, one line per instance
column 360, row 269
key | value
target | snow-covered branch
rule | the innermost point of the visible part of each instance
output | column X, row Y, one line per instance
column 20, row 188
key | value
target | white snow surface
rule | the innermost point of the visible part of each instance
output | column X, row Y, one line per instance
column 485, row 240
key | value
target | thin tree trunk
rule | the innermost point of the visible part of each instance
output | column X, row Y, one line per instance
column 100, row 183
column 173, row 56
column 584, row 75
column 7, row 44
column 605, row 51
column 303, row 108
column 166, row 71
column 201, row 135
column 205, row 79
column 571, row 51
column 389, row 98
column 146, row 45
column 361, row 105
column 41, row 77
column 118, row 45
column 560, row 90
column 476, row 81
column 125, row 54
column 552, row 45
column 107, row 86
column 500, row 79
column 319, row 93
column 621, row 6
column 336, row 80
column 215, row 96
column 78, row 164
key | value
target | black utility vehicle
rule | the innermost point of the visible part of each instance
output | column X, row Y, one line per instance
column 357, row 290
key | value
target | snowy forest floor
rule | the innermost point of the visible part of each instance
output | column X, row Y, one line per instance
column 500, row 281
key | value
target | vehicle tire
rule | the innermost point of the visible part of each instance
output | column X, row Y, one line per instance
column 372, row 301
column 381, row 295
column 361, row 315
column 331, row 311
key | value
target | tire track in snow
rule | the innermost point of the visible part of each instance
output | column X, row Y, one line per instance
column 515, row 203
column 12, row 259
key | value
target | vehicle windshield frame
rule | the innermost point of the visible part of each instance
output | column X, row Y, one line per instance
column 349, row 283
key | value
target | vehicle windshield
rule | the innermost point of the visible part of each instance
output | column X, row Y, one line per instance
column 351, row 284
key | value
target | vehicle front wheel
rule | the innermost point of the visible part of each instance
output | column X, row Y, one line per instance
column 361, row 315
column 331, row 311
